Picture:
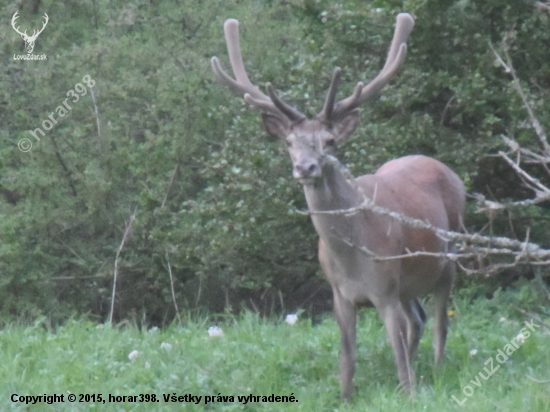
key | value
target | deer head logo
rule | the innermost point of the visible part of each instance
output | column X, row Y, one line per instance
column 29, row 40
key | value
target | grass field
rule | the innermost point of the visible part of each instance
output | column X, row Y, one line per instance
column 264, row 357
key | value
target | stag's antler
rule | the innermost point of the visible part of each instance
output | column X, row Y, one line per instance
column 334, row 111
column 242, row 85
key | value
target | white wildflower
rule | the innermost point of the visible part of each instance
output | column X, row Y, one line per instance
column 291, row 319
column 520, row 338
column 473, row 352
column 502, row 319
column 166, row 345
column 215, row 331
column 133, row 355
column 147, row 365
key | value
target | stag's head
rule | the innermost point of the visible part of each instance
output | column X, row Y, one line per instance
column 29, row 40
column 309, row 140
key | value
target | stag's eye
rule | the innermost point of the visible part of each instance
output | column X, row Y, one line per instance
column 330, row 142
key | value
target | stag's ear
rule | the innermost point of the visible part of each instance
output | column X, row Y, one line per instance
column 275, row 126
column 346, row 126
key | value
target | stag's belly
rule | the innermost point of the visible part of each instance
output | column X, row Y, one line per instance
column 419, row 275
column 358, row 277
column 361, row 279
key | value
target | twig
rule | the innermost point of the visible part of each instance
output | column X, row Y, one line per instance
column 534, row 316
column 542, row 6
column 126, row 231
column 199, row 292
column 302, row 304
column 542, row 192
column 254, row 306
column 509, row 68
column 464, row 253
column 169, row 185
column 532, row 182
column 367, row 204
column 68, row 172
column 499, row 59
column 542, row 286
column 70, row 248
column 536, row 380
column 172, row 288
column 101, row 275
column 523, row 252
column 96, row 112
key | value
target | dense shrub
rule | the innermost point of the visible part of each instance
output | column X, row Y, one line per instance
column 214, row 197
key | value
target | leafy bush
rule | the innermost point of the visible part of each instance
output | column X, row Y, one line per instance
column 214, row 198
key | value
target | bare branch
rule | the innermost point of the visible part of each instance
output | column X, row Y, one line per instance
column 484, row 205
column 537, row 380
column 172, row 288
column 499, row 59
column 534, row 316
column 96, row 112
column 169, row 186
column 126, row 232
column 468, row 245
column 509, row 68
column 542, row 6
column 532, row 182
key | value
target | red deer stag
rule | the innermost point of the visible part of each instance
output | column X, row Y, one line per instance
column 416, row 186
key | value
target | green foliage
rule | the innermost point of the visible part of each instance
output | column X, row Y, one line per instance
column 212, row 200
column 215, row 199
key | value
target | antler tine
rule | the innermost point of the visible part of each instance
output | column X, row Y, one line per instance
column 242, row 84
column 231, row 29
column 403, row 27
column 284, row 107
column 328, row 107
column 274, row 101
column 396, row 56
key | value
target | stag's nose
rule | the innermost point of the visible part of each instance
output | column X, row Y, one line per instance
column 307, row 170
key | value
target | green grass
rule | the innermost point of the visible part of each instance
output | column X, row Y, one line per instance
column 264, row 357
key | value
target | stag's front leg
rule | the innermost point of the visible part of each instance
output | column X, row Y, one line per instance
column 347, row 320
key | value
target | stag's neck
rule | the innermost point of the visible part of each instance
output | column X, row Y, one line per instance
column 332, row 191
column 336, row 192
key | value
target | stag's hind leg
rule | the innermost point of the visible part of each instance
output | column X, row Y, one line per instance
column 441, row 320
column 416, row 318
column 395, row 319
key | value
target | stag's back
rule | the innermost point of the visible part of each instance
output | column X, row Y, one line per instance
column 422, row 188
